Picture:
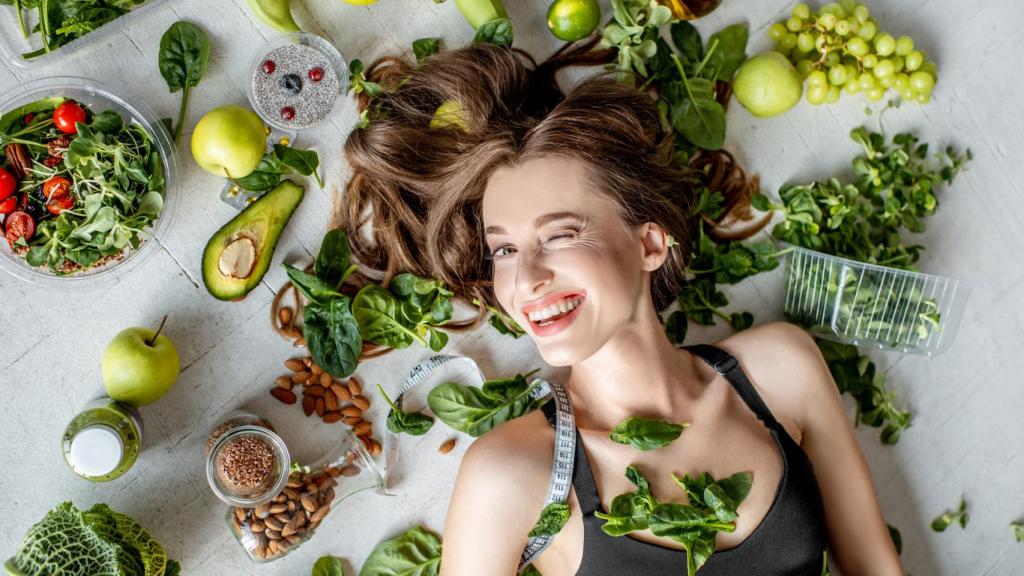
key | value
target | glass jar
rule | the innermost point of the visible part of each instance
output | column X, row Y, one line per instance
column 272, row 530
column 103, row 441
column 247, row 463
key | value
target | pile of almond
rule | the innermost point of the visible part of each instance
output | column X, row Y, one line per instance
column 271, row 530
column 330, row 399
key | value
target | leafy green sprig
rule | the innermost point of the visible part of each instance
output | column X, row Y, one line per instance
column 958, row 516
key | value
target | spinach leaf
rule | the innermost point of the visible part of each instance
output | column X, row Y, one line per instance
column 311, row 286
column 377, row 312
column 701, row 121
column 413, row 423
column 332, row 336
column 184, row 53
column 727, row 49
column 631, row 511
column 687, row 41
column 328, row 566
column 304, row 162
column 107, row 122
column 332, row 262
column 497, row 31
column 1018, row 531
column 646, row 433
column 530, row 571
column 552, row 519
column 897, row 539
column 425, row 47
column 266, row 176
column 416, row 552
column 959, row 516
column 675, row 327
column 476, row 411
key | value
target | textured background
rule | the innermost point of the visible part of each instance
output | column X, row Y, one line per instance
column 966, row 438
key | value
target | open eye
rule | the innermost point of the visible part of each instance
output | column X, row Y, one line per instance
column 501, row 251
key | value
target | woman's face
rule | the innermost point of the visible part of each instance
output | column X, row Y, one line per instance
column 567, row 268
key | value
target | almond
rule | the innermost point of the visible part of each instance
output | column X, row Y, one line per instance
column 320, row 513
column 286, row 396
column 277, row 509
column 354, row 386
column 309, row 503
column 308, row 361
column 363, row 428
column 285, row 315
column 361, row 402
column 352, row 411
column 284, row 382
column 375, row 447
column 316, row 369
column 291, row 493
column 300, row 377
column 326, row 380
column 350, row 471
column 447, row 446
column 258, row 526
column 240, row 514
column 315, row 390
column 273, row 525
column 320, row 407
column 332, row 417
column 341, row 392
column 295, row 365
column 308, row 405
column 353, row 420
column 330, row 401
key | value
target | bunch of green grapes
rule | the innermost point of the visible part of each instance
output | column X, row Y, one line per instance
column 841, row 48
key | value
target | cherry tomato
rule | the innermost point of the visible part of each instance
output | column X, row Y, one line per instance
column 19, row 225
column 28, row 118
column 56, row 187
column 65, row 116
column 8, row 184
column 8, row 206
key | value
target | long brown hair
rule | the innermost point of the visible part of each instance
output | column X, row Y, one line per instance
column 416, row 191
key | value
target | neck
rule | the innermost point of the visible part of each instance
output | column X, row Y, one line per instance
column 638, row 372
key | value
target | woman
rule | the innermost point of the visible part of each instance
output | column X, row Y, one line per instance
column 476, row 169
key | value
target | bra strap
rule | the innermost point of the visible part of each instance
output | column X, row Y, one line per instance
column 727, row 365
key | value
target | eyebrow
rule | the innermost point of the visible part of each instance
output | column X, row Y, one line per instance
column 540, row 221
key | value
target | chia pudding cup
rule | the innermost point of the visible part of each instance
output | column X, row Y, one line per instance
column 247, row 465
column 295, row 80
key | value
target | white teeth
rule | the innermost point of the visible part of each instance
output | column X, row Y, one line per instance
column 554, row 310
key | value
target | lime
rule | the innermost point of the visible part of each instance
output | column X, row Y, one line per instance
column 572, row 20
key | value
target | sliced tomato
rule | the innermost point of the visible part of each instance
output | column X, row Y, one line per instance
column 56, row 187
column 65, row 116
column 8, row 184
column 7, row 206
column 19, row 225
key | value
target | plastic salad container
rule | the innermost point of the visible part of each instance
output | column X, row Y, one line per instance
column 870, row 305
column 13, row 43
column 98, row 98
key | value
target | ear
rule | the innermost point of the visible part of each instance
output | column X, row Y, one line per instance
column 654, row 242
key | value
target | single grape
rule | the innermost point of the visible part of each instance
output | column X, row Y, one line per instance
column 884, row 68
column 875, row 94
column 804, row 67
column 828, row 21
column 831, row 59
column 848, row 5
column 869, row 61
column 867, row 81
column 776, row 31
column 821, row 43
column 904, row 44
column 799, row 55
column 843, row 28
column 852, row 85
column 867, row 30
column 914, row 60
column 902, row 82
column 897, row 63
column 861, row 13
column 805, row 42
column 833, row 95
column 834, row 9
column 854, row 25
column 922, row 82
column 885, row 44
column 788, row 41
column 908, row 94
column 857, row 47
column 816, row 94
column 802, row 10
column 930, row 68
column 837, row 75
column 887, row 81
column 817, row 78
column 923, row 98
column 794, row 24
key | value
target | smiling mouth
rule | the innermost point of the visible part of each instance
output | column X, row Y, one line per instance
column 555, row 312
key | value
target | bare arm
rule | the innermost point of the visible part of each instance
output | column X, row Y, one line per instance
column 859, row 540
column 497, row 499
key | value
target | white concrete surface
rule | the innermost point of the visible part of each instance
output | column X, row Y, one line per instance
column 967, row 437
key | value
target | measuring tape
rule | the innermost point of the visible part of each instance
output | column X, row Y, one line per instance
column 565, row 436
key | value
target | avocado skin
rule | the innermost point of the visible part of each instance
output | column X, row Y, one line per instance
column 273, row 210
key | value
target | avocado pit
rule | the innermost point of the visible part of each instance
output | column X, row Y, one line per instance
column 238, row 258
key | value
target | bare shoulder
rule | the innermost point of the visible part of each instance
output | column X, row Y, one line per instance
column 786, row 366
column 498, row 496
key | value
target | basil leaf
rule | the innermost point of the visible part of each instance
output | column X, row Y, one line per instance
column 552, row 519
column 646, row 433
column 332, row 336
column 416, row 552
column 497, row 31
column 425, row 47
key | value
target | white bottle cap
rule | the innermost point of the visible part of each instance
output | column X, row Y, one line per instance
column 96, row 451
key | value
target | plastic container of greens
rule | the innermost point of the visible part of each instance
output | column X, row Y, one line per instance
column 13, row 43
column 869, row 305
column 98, row 97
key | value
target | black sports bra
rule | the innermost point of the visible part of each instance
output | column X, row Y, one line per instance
column 790, row 540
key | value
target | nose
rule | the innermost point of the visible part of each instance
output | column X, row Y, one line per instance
column 532, row 275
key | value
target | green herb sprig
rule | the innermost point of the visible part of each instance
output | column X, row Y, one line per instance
column 958, row 516
column 399, row 421
column 553, row 518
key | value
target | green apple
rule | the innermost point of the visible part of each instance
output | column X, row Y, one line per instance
column 767, row 84
column 137, row 368
column 229, row 141
column 479, row 12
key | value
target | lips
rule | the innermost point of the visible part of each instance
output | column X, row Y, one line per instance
column 555, row 322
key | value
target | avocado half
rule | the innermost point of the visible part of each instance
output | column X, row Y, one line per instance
column 239, row 254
